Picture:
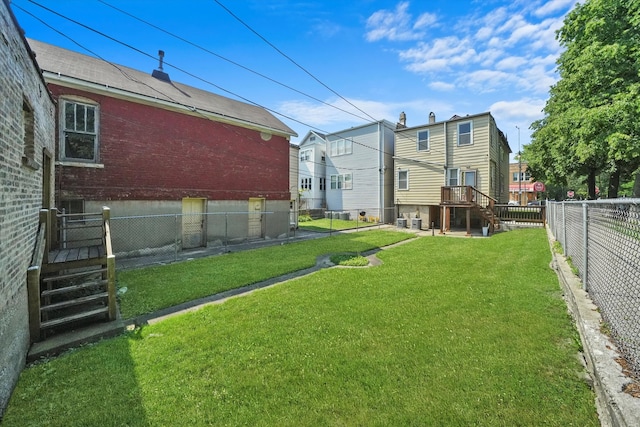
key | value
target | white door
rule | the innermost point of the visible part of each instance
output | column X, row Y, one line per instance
column 193, row 224
column 256, row 213
column 470, row 178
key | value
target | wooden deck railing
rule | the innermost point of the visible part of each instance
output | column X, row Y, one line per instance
column 523, row 214
column 465, row 195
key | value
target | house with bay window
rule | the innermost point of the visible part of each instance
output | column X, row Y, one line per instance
column 142, row 143
column 359, row 171
column 450, row 173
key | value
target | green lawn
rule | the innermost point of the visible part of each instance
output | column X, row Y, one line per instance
column 325, row 225
column 154, row 288
column 446, row 332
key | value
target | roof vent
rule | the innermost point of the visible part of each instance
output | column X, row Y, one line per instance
column 432, row 118
column 159, row 73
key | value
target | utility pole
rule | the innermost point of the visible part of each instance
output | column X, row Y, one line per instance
column 519, row 169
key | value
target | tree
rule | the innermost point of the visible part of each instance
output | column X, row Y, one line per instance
column 590, row 123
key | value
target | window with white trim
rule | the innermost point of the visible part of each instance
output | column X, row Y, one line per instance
column 341, row 147
column 323, row 184
column 305, row 183
column 465, row 133
column 453, row 177
column 403, row 180
column 305, row 155
column 79, row 131
column 342, row 182
column 423, row 140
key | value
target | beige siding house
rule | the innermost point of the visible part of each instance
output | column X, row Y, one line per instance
column 447, row 171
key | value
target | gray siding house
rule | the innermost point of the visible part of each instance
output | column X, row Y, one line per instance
column 359, row 171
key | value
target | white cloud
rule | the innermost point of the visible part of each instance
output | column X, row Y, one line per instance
column 523, row 110
column 553, row 6
column 511, row 63
column 397, row 25
column 442, row 86
column 440, row 55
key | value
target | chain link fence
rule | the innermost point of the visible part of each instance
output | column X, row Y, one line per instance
column 602, row 240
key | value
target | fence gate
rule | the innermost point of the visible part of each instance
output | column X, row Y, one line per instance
column 193, row 230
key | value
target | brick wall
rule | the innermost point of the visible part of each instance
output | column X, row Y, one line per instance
column 21, row 88
column 150, row 153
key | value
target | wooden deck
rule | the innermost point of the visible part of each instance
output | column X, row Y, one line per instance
column 75, row 257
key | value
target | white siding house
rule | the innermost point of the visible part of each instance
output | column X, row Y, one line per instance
column 360, row 171
column 312, row 181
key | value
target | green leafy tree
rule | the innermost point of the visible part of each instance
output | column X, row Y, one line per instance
column 591, row 117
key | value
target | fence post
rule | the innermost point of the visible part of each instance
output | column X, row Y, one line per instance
column 175, row 254
column 585, row 246
column 226, row 227
column 564, row 229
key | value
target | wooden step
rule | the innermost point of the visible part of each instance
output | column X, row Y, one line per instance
column 73, row 288
column 75, row 317
column 73, row 275
column 75, row 301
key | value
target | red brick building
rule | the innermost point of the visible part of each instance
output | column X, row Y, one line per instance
column 144, row 144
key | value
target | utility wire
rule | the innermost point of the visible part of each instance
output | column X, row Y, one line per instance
column 292, row 61
column 185, row 72
column 229, row 60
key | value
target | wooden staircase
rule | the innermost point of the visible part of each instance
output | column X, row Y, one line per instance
column 71, row 280
column 473, row 200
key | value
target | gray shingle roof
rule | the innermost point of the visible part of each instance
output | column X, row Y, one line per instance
column 78, row 66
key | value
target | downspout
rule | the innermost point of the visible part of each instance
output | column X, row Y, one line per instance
column 381, row 170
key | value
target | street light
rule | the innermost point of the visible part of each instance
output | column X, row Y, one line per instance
column 519, row 169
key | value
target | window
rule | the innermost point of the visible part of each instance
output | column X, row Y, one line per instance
column 403, row 180
column 305, row 183
column 423, row 140
column 312, row 138
column 342, row 182
column 465, row 133
column 323, row 184
column 341, row 147
column 305, row 155
column 493, row 171
column 29, row 153
column 79, row 132
column 524, row 176
column 452, row 177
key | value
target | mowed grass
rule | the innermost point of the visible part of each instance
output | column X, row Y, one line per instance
column 446, row 332
column 326, row 224
column 154, row 288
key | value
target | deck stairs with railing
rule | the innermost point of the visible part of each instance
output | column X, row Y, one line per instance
column 71, row 280
column 466, row 196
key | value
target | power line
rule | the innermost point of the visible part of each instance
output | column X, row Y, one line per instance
column 229, row 60
column 292, row 61
column 185, row 72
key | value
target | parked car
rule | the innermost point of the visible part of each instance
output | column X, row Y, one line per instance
column 513, row 203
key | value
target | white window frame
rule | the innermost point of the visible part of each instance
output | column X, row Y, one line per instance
column 450, row 172
column 342, row 181
column 79, row 128
column 305, row 155
column 406, row 179
column 470, row 133
column 341, row 147
column 423, row 140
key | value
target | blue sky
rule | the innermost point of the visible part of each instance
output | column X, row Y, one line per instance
column 383, row 57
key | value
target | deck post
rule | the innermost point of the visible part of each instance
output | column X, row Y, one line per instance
column 111, row 286
column 468, row 222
